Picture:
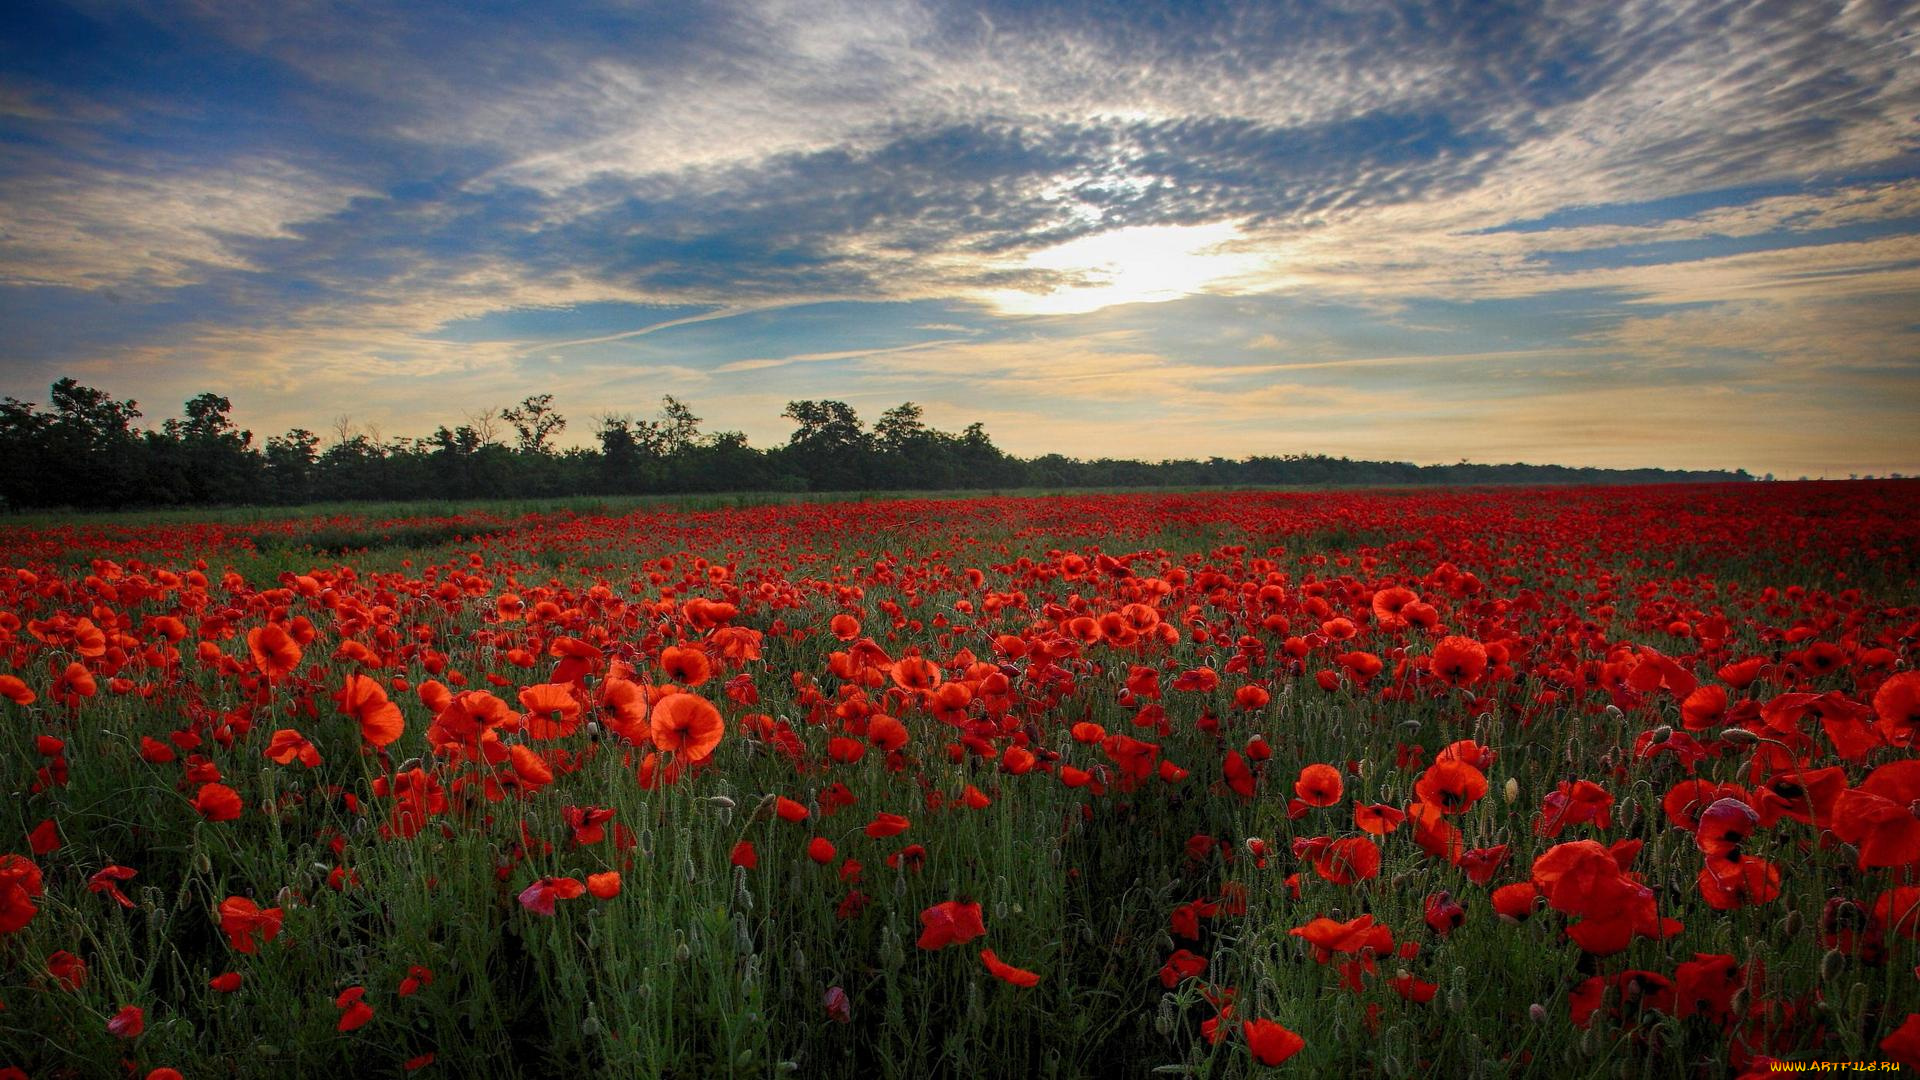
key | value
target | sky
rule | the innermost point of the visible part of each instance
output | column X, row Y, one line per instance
column 1616, row 234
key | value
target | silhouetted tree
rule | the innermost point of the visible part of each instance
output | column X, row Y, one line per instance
column 289, row 466
column 84, row 451
column 828, row 447
column 536, row 421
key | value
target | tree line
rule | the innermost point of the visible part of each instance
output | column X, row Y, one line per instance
column 84, row 450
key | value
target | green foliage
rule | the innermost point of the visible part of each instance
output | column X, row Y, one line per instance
column 86, row 454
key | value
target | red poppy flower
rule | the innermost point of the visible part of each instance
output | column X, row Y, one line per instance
column 247, row 924
column 1271, row 1043
column 68, row 971
column 1896, row 705
column 1450, row 786
column 44, row 838
column 288, row 746
column 1007, row 972
column 1459, row 661
column 1377, row 818
column 20, row 886
column 107, row 880
column 885, row 825
column 953, row 922
column 688, row 725
column 380, row 720
column 1729, row 883
column 355, row 1013
column 128, row 1023
column 1346, row 861
column 1877, row 816
column 274, row 651
column 916, row 673
column 1182, row 965
column 553, row 710
column 1319, row 785
column 540, row 896
column 1903, row 1045
column 217, row 802
column 16, row 690
column 686, row 666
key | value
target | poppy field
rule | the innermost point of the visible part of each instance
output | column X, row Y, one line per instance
column 1613, row 781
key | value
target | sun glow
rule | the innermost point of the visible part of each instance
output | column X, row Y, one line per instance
column 1142, row 264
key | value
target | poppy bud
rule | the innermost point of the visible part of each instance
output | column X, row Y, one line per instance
column 1512, row 790
column 1163, row 1021
column 1737, row 1004
column 1857, row 999
column 1739, row 737
column 1791, row 925
column 1661, row 734
column 1832, row 964
column 1537, row 1013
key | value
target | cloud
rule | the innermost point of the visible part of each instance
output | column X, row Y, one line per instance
column 322, row 206
column 98, row 229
